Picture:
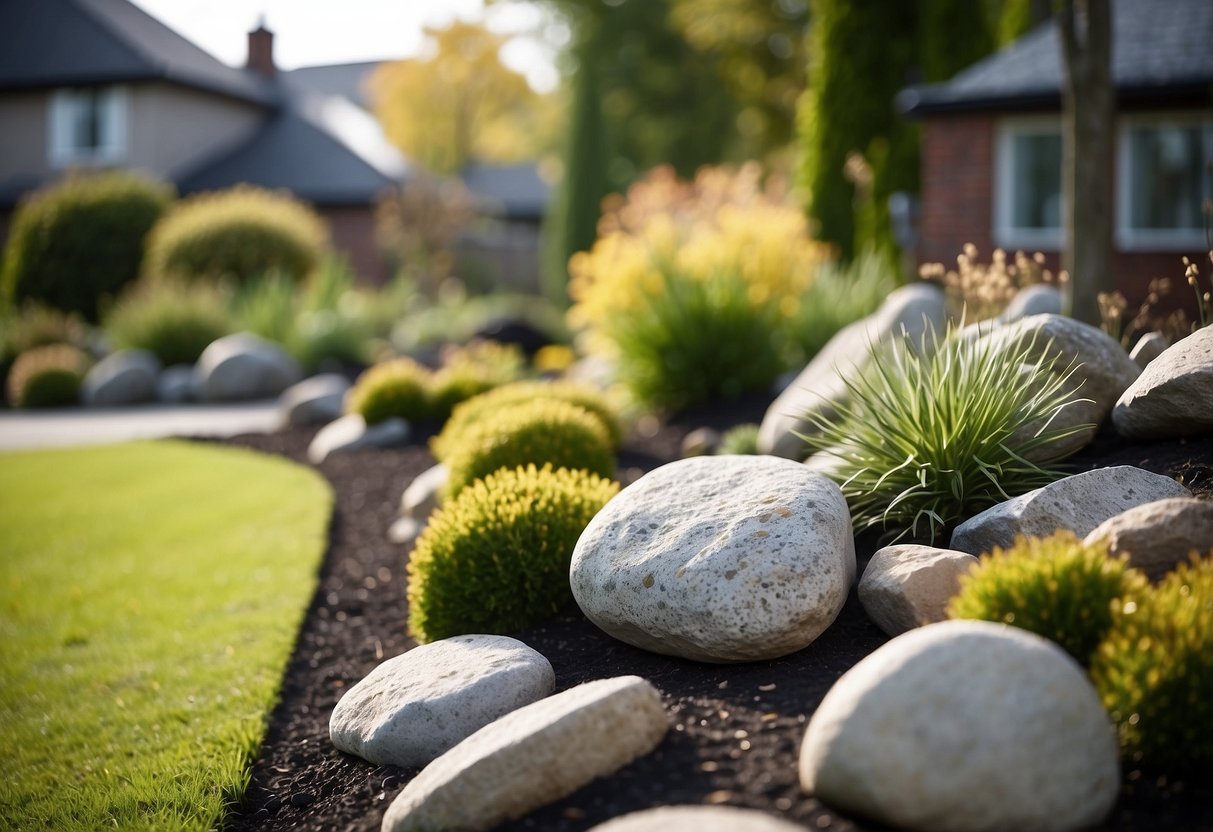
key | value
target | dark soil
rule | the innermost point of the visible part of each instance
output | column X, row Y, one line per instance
column 735, row 730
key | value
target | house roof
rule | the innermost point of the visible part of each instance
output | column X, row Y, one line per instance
column 1160, row 51
column 51, row 43
column 349, row 80
column 516, row 191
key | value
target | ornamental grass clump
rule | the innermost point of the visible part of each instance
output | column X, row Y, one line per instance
column 1057, row 587
column 543, row 431
column 496, row 559
column 694, row 290
column 933, row 433
column 399, row 388
column 477, row 408
column 1154, row 672
column 47, row 376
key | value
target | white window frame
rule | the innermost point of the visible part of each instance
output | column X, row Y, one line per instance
column 1129, row 238
column 62, row 152
column 1006, row 235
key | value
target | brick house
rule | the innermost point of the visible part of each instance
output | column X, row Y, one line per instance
column 991, row 146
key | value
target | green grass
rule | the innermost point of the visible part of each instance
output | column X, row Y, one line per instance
column 149, row 598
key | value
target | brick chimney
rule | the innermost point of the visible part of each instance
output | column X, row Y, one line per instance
column 261, row 50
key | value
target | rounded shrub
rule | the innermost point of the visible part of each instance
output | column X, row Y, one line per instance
column 37, row 325
column 496, row 559
column 475, row 409
column 81, row 240
column 173, row 319
column 1154, row 672
column 474, row 369
column 533, row 433
column 240, row 233
column 1057, row 587
column 47, row 376
column 399, row 388
column 742, row 439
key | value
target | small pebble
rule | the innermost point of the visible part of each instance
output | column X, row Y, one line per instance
column 301, row 799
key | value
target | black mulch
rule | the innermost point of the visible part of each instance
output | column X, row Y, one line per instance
column 735, row 730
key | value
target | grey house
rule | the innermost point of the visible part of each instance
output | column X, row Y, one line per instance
column 99, row 83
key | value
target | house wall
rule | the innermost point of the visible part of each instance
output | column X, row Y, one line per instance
column 173, row 128
column 23, row 140
column 957, row 199
column 352, row 232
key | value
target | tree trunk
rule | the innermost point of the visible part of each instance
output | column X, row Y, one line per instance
column 1088, row 107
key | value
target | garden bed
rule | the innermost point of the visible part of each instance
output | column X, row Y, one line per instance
column 735, row 730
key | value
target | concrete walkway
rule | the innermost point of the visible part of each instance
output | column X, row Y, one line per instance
column 85, row 426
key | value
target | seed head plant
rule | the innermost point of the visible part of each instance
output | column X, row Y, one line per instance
column 935, row 432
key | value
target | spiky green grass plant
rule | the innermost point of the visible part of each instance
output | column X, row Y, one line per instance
column 1056, row 587
column 1154, row 672
column 150, row 595
column 936, row 431
column 741, row 439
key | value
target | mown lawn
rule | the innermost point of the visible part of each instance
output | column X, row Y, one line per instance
column 150, row 594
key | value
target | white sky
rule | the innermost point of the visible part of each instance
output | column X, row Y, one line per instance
column 310, row 32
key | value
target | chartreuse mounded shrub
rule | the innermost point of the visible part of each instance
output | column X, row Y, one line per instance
column 1057, row 587
column 399, row 388
column 171, row 318
column 935, row 432
column 81, row 240
column 542, row 431
column 47, row 376
column 240, row 233
column 474, row 369
column 475, row 409
column 37, row 325
column 742, row 439
column 1155, row 672
column 496, row 559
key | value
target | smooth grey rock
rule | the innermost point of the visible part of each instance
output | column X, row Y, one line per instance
column 533, row 756
column 1077, row 504
column 1148, row 347
column 121, row 378
column 314, row 401
column 718, row 559
column 245, row 366
column 699, row 442
column 1038, row 299
column 1159, row 536
column 405, row 530
column 421, row 496
column 418, row 705
column 1101, row 373
column 1174, row 395
column 352, row 433
column 697, row 819
column 964, row 726
column 821, row 385
column 177, row 384
column 908, row 586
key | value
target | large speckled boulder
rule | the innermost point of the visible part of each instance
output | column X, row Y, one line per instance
column 821, row 385
column 697, row 819
column 419, row 704
column 1159, row 536
column 245, row 366
column 122, row 378
column 1077, row 504
column 718, row 559
column 908, row 586
column 532, row 756
column 1174, row 395
column 964, row 726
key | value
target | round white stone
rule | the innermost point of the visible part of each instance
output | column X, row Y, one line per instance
column 418, row 705
column 964, row 726
column 697, row 819
column 718, row 559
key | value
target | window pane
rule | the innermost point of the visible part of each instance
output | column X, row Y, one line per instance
column 1037, row 187
column 1165, row 171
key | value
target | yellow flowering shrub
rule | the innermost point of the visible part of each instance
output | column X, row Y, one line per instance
column 694, row 289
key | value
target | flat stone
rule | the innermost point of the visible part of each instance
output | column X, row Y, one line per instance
column 962, row 726
column 1174, row 395
column 718, row 559
column 352, row 433
column 121, row 378
column 405, row 530
column 1159, row 536
column 1077, row 504
column 1038, row 299
column 533, row 756
column 697, row 819
column 821, row 385
column 420, row 704
column 177, row 384
column 244, row 366
column 314, row 401
column 420, row 498
column 1148, row 347
column 909, row 586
